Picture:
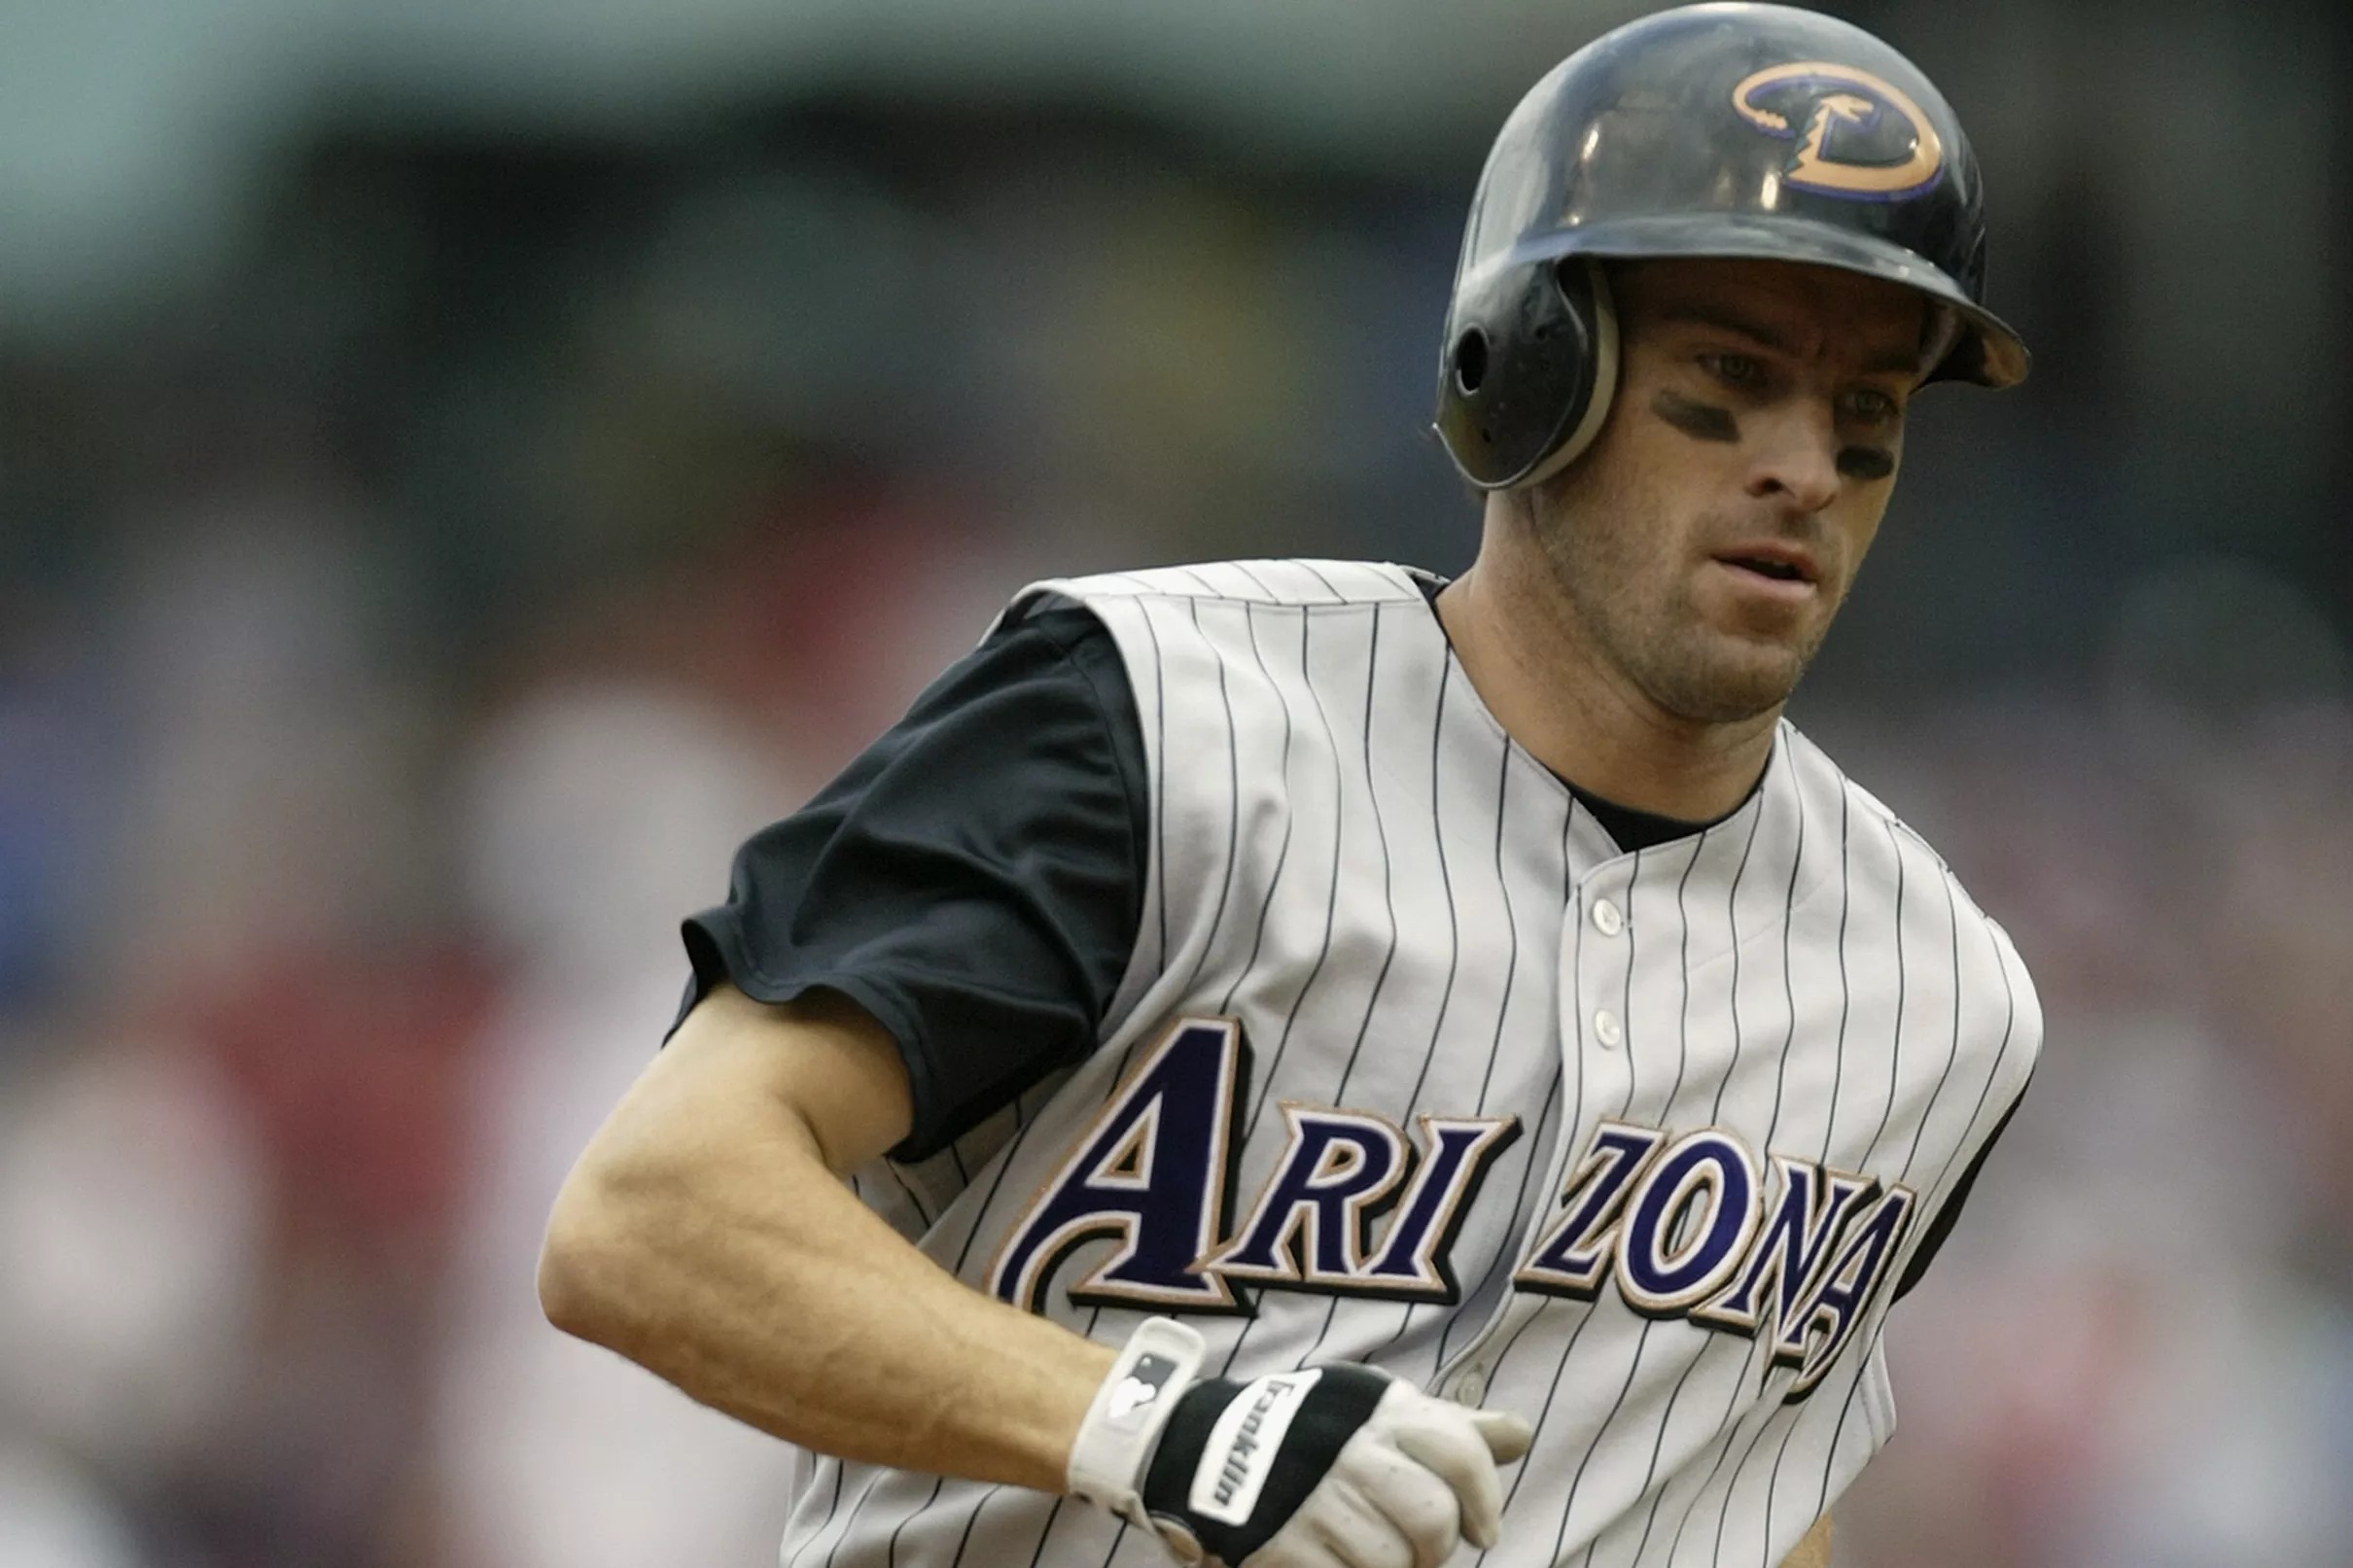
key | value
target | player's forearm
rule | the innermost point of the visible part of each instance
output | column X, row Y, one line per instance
column 732, row 1262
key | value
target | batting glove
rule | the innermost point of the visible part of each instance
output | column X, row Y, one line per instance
column 1334, row 1466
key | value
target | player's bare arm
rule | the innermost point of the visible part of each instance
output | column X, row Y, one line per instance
column 708, row 1234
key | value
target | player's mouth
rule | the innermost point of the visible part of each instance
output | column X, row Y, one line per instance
column 1771, row 567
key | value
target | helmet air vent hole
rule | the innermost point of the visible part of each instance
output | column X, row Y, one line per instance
column 1470, row 360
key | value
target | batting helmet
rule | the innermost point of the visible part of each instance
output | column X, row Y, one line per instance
column 1710, row 130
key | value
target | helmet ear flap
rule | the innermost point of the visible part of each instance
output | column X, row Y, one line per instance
column 1585, row 286
column 1530, row 366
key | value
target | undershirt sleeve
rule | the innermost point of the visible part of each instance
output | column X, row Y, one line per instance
column 1941, row 1225
column 973, row 878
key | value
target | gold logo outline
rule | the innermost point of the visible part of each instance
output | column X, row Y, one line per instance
column 1813, row 168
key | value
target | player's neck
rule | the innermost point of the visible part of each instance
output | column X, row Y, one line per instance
column 1580, row 717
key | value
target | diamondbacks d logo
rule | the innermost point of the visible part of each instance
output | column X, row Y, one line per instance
column 1857, row 136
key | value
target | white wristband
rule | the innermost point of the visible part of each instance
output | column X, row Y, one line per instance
column 1161, row 1360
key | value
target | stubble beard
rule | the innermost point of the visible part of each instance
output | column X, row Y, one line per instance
column 1658, row 642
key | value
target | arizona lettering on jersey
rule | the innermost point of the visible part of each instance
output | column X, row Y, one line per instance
column 1413, row 1066
column 1676, row 1223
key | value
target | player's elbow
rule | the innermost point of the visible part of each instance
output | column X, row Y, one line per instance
column 576, row 1260
column 593, row 1258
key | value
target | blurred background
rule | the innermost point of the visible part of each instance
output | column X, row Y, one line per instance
column 465, row 465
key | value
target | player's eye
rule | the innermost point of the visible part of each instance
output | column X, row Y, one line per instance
column 1744, row 371
column 1868, row 405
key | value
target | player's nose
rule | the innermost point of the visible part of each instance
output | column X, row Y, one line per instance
column 1795, row 459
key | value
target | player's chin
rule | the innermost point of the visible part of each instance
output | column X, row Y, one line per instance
column 1729, row 679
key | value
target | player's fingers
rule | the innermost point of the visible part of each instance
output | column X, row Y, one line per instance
column 1478, row 1494
column 1508, row 1436
column 1336, row 1527
column 1421, row 1506
column 1442, row 1437
column 1300, row 1544
column 1360, row 1537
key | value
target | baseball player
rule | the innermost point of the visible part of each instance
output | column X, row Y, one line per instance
column 1299, row 1063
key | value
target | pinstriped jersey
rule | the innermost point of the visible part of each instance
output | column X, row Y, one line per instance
column 1413, row 1066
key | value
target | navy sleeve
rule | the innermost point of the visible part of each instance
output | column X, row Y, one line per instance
column 974, row 879
column 1942, row 1226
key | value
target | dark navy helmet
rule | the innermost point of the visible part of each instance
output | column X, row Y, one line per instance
column 1710, row 130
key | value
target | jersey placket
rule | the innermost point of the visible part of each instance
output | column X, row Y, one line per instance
column 1596, row 1061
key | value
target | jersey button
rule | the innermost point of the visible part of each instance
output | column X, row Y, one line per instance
column 1607, row 1029
column 1607, row 919
column 1470, row 1387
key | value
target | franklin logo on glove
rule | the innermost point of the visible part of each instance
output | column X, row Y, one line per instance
column 1227, row 1487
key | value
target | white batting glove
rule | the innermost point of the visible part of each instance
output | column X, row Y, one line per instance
column 1333, row 1466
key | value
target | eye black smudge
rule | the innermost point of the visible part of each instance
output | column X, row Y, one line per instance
column 1701, row 421
column 1865, row 462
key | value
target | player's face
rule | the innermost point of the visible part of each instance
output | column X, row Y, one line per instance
column 1705, row 544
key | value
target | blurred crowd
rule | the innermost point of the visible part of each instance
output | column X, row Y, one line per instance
column 398, row 630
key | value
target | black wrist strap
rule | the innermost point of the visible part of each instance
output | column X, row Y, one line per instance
column 1218, row 1442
